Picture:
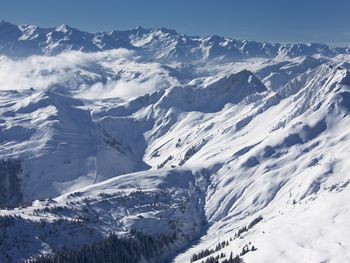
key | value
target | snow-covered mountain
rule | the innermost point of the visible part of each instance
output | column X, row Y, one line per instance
column 151, row 146
column 160, row 44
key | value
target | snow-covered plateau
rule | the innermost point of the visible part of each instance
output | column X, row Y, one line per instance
column 148, row 145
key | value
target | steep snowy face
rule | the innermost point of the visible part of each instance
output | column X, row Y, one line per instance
column 276, row 75
column 60, row 146
column 291, row 170
column 212, row 140
column 68, row 143
column 310, row 115
column 213, row 95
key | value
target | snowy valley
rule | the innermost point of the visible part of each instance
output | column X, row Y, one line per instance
column 174, row 148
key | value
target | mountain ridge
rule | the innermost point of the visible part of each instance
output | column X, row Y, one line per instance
column 27, row 40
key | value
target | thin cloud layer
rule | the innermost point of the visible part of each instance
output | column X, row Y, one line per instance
column 107, row 74
column 43, row 72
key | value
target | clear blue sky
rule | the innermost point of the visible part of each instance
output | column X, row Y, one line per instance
column 272, row 20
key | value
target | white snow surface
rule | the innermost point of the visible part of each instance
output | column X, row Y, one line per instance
column 124, row 142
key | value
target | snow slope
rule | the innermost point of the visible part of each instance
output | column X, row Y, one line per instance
column 146, row 138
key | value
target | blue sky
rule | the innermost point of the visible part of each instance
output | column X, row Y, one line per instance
column 271, row 20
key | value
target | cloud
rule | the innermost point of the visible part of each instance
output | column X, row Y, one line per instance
column 122, row 88
column 42, row 72
column 106, row 74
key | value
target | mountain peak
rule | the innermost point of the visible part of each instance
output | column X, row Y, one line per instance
column 345, row 76
column 9, row 31
column 65, row 28
column 167, row 31
column 4, row 25
column 4, row 22
column 160, row 43
column 141, row 29
column 214, row 38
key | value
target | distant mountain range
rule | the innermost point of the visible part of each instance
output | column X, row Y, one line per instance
column 160, row 43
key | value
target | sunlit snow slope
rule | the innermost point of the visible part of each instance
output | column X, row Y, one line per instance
column 185, row 138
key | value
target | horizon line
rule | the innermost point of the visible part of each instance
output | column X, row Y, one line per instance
column 331, row 44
